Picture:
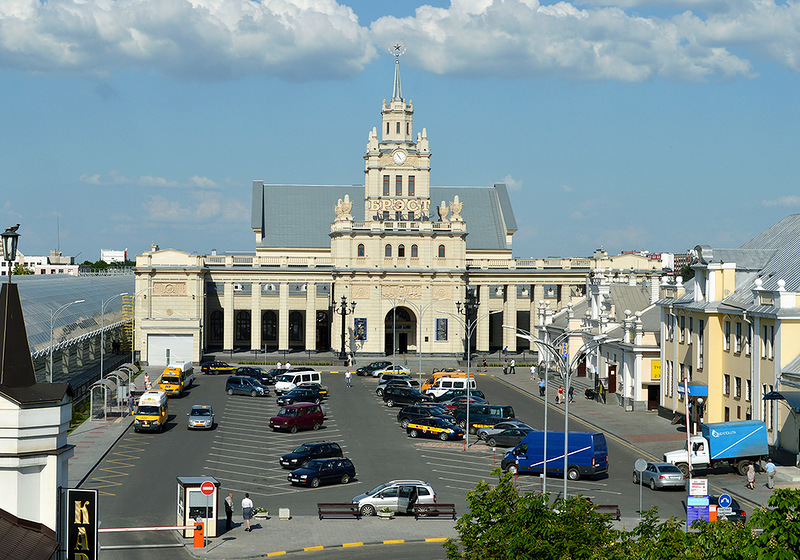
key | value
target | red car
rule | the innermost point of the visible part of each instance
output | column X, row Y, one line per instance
column 300, row 416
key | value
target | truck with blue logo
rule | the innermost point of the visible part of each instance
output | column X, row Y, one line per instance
column 734, row 444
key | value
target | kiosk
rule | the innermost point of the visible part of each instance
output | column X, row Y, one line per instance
column 197, row 500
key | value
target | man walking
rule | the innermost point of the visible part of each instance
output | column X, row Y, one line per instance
column 770, row 468
column 513, row 367
column 542, row 385
column 229, row 512
column 347, row 376
column 131, row 403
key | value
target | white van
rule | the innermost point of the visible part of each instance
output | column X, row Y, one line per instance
column 292, row 378
column 444, row 384
column 176, row 378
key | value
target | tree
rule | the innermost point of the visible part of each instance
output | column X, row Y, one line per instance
column 22, row 270
column 687, row 273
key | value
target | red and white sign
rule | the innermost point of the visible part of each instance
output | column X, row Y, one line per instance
column 207, row 488
column 698, row 487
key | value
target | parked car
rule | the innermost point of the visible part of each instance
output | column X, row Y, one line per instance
column 308, row 451
column 509, row 437
column 323, row 471
column 300, row 416
column 452, row 393
column 256, row 373
column 460, row 402
column 368, row 369
column 273, row 374
column 201, row 417
column 322, row 390
column 386, row 377
column 403, row 395
column 395, row 495
column 412, row 413
column 298, row 395
column 660, row 475
column 245, row 386
column 412, row 383
column 434, row 428
column 737, row 514
column 391, row 368
column 214, row 368
column 484, row 433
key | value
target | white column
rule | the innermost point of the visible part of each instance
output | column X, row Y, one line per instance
column 482, row 341
column 311, row 316
column 510, row 317
column 255, row 316
column 283, row 317
column 227, row 311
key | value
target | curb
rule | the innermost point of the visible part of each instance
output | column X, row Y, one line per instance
column 103, row 456
column 191, row 550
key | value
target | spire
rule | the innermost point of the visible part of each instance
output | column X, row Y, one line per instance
column 397, row 50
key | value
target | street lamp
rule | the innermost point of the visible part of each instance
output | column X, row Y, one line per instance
column 53, row 315
column 102, row 327
column 343, row 310
column 133, row 333
column 421, row 311
column 10, row 240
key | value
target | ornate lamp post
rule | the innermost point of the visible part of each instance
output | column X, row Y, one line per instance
column 103, row 327
column 53, row 315
column 10, row 240
column 342, row 309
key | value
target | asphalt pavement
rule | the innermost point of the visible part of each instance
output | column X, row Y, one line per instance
column 647, row 432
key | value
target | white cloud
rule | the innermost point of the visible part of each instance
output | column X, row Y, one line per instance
column 198, row 39
column 791, row 200
column 511, row 183
column 566, row 188
column 199, row 206
column 115, row 178
column 150, row 181
column 202, row 182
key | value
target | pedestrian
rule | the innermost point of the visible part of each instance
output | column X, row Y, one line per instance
column 542, row 386
column 513, row 367
column 147, row 384
column 560, row 395
column 505, row 351
column 505, row 367
column 247, row 511
column 279, row 365
column 485, row 365
column 131, row 403
column 288, row 365
column 347, row 376
column 533, row 371
column 770, row 469
column 751, row 476
column 571, row 394
column 229, row 512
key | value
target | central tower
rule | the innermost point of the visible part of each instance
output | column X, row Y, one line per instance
column 397, row 168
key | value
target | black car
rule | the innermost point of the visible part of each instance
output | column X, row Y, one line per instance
column 368, row 369
column 403, row 395
column 299, row 395
column 434, row 428
column 316, row 450
column 509, row 437
column 737, row 514
column 274, row 373
column 453, row 393
column 256, row 373
column 414, row 412
column 323, row 471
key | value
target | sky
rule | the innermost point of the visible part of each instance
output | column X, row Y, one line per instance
column 632, row 125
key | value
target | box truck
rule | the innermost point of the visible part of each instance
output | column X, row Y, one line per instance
column 588, row 454
column 735, row 444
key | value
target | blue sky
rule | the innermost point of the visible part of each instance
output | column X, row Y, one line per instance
column 633, row 125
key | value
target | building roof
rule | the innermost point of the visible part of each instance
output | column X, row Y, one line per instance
column 25, row 540
column 300, row 216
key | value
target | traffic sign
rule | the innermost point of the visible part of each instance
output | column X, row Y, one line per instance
column 724, row 501
column 565, row 350
column 207, row 488
column 640, row 465
column 724, row 511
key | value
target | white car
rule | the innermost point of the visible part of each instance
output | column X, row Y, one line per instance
column 486, row 433
column 395, row 495
column 391, row 369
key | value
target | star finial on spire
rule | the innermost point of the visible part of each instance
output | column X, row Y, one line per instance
column 397, row 50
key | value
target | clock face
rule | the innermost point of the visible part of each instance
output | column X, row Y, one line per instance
column 399, row 156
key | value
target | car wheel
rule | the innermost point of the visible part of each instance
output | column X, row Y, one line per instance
column 253, row 393
column 345, row 478
column 443, row 436
column 229, row 391
column 368, row 510
column 293, row 429
column 380, row 392
column 404, row 423
column 390, row 403
column 652, row 484
column 413, row 433
column 573, row 474
column 491, row 442
column 635, row 478
column 315, row 482
column 315, row 426
column 513, row 469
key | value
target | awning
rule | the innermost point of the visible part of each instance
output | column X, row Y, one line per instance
column 695, row 390
column 792, row 398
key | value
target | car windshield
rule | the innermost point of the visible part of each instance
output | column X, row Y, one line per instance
column 288, row 412
column 377, row 489
column 286, row 377
column 150, row 410
column 201, row 412
column 171, row 379
column 305, row 448
column 315, row 464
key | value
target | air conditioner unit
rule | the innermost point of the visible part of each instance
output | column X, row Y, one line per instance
column 238, row 287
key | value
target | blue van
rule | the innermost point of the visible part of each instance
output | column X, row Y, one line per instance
column 588, row 454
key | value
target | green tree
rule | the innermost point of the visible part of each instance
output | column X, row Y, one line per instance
column 22, row 270
column 687, row 273
column 780, row 526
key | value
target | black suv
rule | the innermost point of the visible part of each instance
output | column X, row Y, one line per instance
column 256, row 373
column 300, row 395
column 368, row 369
column 393, row 395
column 412, row 413
column 453, row 393
column 308, row 451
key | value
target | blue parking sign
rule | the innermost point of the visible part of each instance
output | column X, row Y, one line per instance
column 724, row 500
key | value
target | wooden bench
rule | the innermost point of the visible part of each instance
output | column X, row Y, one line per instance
column 610, row 510
column 432, row 510
column 338, row 509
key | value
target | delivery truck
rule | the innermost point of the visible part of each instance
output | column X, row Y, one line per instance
column 735, row 444
column 588, row 454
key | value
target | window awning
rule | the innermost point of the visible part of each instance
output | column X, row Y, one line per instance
column 792, row 398
column 695, row 390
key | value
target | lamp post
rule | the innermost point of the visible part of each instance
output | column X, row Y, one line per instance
column 343, row 310
column 53, row 315
column 102, row 327
column 421, row 309
column 10, row 241
column 133, row 333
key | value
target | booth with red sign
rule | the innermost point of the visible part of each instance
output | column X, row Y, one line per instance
column 197, row 500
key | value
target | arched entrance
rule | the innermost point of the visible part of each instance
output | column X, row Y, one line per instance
column 400, row 330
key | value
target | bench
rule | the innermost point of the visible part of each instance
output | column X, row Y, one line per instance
column 611, row 510
column 432, row 510
column 338, row 509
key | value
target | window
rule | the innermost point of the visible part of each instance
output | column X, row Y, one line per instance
column 726, row 384
column 737, row 387
column 771, row 343
column 269, row 326
column 398, row 127
column 726, row 343
column 401, row 251
column 242, row 330
column 748, row 389
column 737, row 340
column 385, row 185
column 408, row 128
column 360, row 249
column 398, row 185
column 441, row 251
column 748, row 345
column 386, row 215
column 387, row 251
column 414, row 252
column 727, row 414
column 681, row 333
column 411, row 186
column 387, row 128
column 700, row 343
column 768, row 409
column 296, row 327
column 216, row 325
column 689, row 367
column 411, row 216
column 691, row 330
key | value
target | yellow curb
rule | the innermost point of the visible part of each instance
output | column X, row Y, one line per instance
column 436, row 540
column 353, row 544
column 313, row 548
column 281, row 553
column 398, row 541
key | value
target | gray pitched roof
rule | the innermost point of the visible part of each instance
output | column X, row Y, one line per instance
column 774, row 237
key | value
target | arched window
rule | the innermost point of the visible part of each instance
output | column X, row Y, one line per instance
column 217, row 325
column 387, row 251
column 401, row 251
column 414, row 252
column 269, row 326
column 441, row 251
column 296, row 327
column 242, row 326
column 360, row 249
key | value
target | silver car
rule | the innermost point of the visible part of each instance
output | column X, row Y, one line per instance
column 201, row 417
column 397, row 495
column 485, row 433
column 661, row 475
